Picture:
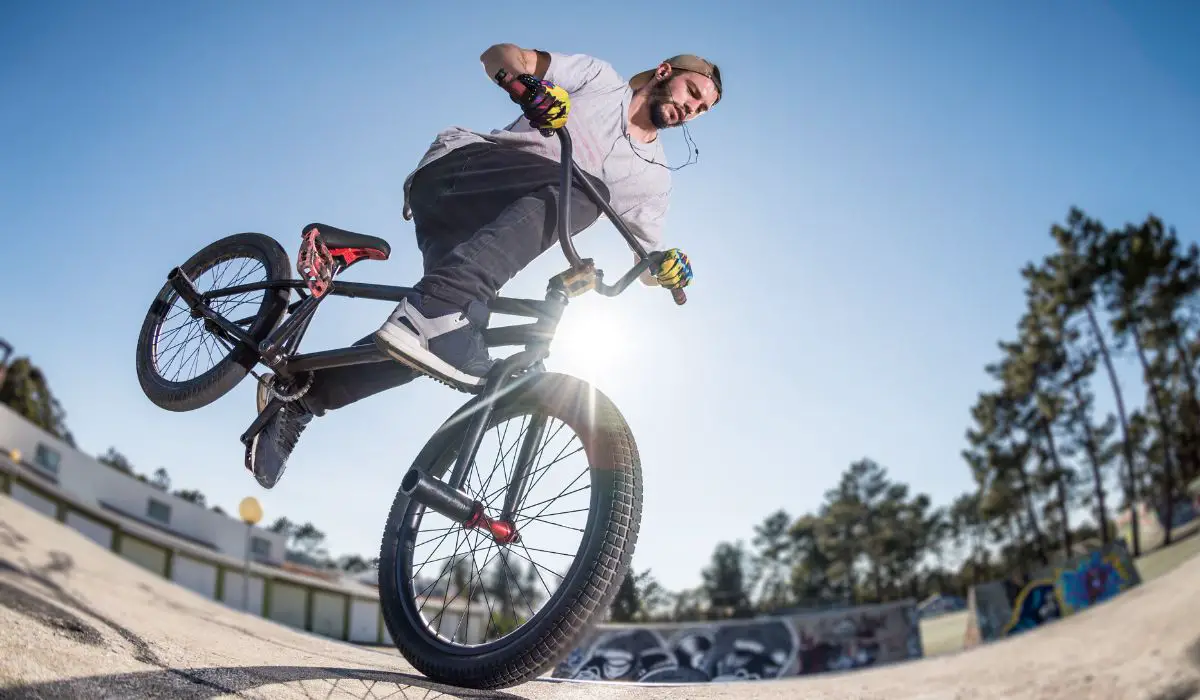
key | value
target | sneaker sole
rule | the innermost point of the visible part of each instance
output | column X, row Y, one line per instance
column 407, row 350
column 263, row 394
column 262, row 481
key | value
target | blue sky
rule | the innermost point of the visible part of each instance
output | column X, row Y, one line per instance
column 865, row 195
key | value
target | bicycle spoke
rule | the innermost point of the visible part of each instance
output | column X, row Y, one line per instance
column 442, row 538
column 459, row 540
column 171, row 357
column 504, row 561
column 549, row 593
column 527, row 476
column 551, row 522
column 536, row 564
column 562, row 493
column 544, row 470
column 540, row 469
column 507, row 594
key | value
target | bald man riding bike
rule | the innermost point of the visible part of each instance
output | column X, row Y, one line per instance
column 483, row 208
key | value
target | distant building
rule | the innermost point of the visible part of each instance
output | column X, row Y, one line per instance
column 197, row 548
column 56, row 462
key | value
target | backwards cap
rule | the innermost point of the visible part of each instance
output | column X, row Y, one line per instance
column 688, row 62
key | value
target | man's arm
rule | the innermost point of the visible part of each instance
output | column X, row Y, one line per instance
column 514, row 60
column 574, row 73
column 646, row 220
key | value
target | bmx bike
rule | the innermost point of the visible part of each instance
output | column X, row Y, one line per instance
column 512, row 648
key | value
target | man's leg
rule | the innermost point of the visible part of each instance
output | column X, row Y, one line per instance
column 336, row 387
column 440, row 330
column 454, row 200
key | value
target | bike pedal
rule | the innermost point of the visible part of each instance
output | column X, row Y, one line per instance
column 260, row 421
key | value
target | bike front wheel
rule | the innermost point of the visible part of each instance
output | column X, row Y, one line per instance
column 467, row 611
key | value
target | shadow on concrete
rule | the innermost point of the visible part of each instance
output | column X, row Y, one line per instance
column 1188, row 689
column 56, row 609
column 56, row 617
column 202, row 683
column 1183, row 690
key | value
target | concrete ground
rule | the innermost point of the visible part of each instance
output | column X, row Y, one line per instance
column 78, row 622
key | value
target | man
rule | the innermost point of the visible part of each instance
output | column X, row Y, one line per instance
column 483, row 206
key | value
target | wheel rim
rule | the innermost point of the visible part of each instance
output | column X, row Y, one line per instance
column 169, row 348
column 496, row 594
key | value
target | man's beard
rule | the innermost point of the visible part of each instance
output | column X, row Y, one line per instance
column 660, row 97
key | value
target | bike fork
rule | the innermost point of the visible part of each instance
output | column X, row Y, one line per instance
column 529, row 446
column 448, row 497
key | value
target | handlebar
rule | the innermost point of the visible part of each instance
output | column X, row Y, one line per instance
column 570, row 168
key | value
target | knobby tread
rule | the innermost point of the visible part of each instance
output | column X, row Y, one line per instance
column 589, row 589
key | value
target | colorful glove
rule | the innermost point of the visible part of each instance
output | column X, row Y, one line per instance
column 675, row 271
column 546, row 105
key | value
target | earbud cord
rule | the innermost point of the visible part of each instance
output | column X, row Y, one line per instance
column 687, row 136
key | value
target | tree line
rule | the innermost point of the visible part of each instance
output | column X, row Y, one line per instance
column 1049, row 472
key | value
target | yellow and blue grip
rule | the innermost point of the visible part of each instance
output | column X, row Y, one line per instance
column 548, row 116
column 675, row 270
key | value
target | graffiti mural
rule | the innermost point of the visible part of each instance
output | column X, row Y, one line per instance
column 1035, row 605
column 745, row 650
column 1094, row 579
column 1001, row 608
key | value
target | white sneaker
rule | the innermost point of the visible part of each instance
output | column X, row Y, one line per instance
column 447, row 344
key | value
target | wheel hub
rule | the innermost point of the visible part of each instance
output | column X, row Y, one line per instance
column 502, row 531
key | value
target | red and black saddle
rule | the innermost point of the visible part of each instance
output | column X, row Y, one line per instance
column 325, row 251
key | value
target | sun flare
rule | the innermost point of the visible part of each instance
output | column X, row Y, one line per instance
column 592, row 343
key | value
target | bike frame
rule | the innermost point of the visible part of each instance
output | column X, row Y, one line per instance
column 278, row 349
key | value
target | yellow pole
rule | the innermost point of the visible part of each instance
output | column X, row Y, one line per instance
column 250, row 512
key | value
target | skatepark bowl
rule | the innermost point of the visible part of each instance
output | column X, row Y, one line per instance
column 79, row 621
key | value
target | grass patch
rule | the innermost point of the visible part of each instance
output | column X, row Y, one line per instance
column 1160, row 561
column 943, row 634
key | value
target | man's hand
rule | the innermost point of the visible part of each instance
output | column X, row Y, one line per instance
column 545, row 105
column 675, row 270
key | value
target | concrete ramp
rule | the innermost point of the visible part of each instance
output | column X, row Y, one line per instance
column 78, row 622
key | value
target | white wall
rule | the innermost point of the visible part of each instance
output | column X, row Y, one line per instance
column 328, row 613
column 364, row 621
column 289, row 604
column 99, row 533
column 93, row 482
column 35, row 501
column 195, row 575
column 234, row 583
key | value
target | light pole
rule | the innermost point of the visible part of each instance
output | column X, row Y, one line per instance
column 250, row 512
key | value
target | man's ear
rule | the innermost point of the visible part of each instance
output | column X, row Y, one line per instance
column 663, row 72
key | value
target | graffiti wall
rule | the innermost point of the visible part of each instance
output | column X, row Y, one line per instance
column 742, row 650
column 1011, row 606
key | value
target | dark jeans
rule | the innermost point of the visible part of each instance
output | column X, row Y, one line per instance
column 482, row 213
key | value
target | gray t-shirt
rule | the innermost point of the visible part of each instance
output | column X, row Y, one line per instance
column 638, row 190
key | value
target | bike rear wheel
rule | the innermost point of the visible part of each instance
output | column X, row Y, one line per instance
column 501, row 648
column 241, row 258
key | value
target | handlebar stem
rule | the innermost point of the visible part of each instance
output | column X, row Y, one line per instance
column 564, row 201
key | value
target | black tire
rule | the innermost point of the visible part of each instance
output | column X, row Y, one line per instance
column 225, row 374
column 594, row 576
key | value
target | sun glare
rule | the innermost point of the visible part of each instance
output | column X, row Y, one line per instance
column 591, row 343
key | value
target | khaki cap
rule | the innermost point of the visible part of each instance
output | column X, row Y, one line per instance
column 687, row 62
